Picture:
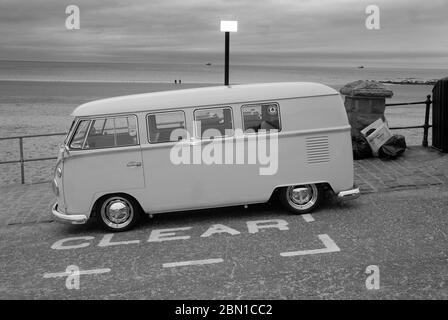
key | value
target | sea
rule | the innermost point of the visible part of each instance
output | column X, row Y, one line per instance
column 38, row 97
column 147, row 72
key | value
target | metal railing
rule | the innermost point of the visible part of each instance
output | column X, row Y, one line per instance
column 425, row 125
column 22, row 158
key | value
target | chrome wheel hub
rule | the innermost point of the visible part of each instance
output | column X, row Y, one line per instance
column 117, row 212
column 302, row 197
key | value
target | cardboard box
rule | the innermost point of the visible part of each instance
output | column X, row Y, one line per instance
column 378, row 136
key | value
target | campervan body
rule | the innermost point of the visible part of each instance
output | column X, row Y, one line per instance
column 203, row 148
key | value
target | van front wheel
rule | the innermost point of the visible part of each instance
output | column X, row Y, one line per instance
column 301, row 199
column 119, row 213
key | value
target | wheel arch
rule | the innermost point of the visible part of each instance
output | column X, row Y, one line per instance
column 96, row 205
column 326, row 186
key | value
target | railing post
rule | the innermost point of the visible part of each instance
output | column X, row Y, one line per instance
column 426, row 125
column 22, row 159
column 22, row 163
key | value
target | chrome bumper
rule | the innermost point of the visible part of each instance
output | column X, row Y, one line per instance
column 349, row 194
column 67, row 218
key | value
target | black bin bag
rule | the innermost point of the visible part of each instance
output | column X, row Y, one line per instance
column 393, row 147
column 361, row 148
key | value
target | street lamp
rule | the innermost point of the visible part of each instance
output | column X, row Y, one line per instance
column 227, row 27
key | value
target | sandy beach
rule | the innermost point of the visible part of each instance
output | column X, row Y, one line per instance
column 35, row 107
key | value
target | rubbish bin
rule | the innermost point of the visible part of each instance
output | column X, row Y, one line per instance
column 365, row 102
column 440, row 115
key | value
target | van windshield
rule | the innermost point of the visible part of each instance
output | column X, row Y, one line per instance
column 69, row 132
column 79, row 136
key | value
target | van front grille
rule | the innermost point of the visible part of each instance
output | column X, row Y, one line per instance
column 317, row 149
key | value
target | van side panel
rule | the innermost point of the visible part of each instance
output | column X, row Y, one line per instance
column 317, row 134
column 90, row 173
column 314, row 146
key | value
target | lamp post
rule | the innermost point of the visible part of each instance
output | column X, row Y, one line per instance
column 227, row 27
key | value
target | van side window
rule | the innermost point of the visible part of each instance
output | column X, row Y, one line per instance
column 264, row 116
column 213, row 122
column 108, row 127
column 112, row 132
column 126, row 131
column 166, row 127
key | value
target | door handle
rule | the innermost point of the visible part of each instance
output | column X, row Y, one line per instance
column 194, row 142
column 200, row 142
column 134, row 164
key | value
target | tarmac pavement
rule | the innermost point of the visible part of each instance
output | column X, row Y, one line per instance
column 397, row 228
column 257, row 253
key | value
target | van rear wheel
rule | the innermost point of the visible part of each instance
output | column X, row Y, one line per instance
column 119, row 213
column 301, row 199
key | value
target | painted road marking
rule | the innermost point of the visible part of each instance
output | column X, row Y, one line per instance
column 307, row 217
column 162, row 235
column 81, row 272
column 60, row 244
column 329, row 244
column 191, row 263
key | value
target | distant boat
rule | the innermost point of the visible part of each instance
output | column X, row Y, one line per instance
column 208, row 64
column 361, row 67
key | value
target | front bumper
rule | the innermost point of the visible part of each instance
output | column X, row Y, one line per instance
column 349, row 194
column 67, row 218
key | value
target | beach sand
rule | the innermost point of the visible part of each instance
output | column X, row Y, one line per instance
column 33, row 107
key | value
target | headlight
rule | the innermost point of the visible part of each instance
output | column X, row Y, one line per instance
column 59, row 171
column 54, row 186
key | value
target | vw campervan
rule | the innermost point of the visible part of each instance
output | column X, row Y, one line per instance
column 199, row 148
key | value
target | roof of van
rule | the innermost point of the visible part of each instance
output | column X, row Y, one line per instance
column 206, row 96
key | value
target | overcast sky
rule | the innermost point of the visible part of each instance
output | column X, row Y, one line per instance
column 270, row 31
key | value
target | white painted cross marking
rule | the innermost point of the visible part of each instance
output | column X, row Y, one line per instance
column 81, row 272
column 308, row 218
column 191, row 263
column 329, row 244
